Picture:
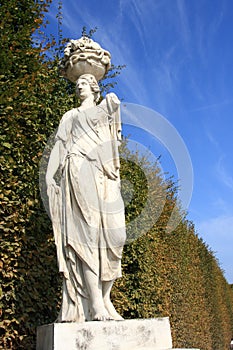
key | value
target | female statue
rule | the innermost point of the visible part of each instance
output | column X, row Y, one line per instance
column 86, row 208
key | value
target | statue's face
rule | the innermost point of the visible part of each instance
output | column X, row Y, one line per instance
column 83, row 89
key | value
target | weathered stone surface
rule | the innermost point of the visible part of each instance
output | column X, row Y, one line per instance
column 109, row 335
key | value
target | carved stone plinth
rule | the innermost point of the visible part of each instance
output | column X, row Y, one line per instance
column 138, row 334
column 153, row 334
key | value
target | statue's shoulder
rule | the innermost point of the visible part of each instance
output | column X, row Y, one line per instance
column 68, row 115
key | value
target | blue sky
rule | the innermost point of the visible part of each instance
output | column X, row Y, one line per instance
column 179, row 62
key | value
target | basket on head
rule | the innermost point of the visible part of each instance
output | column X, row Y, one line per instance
column 84, row 56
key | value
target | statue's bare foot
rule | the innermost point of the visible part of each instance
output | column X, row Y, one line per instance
column 101, row 317
column 112, row 311
column 100, row 313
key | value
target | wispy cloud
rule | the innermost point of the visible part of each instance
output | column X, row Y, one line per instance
column 109, row 35
column 205, row 31
column 137, row 15
column 222, row 206
column 212, row 105
column 217, row 232
column 212, row 139
column 223, row 175
column 221, row 166
column 220, row 226
column 184, row 24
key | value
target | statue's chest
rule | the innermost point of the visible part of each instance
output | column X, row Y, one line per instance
column 92, row 119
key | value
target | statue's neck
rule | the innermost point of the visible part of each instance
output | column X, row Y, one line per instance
column 87, row 103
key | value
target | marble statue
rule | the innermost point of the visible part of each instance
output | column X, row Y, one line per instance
column 86, row 207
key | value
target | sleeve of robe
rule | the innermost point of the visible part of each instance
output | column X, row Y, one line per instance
column 112, row 106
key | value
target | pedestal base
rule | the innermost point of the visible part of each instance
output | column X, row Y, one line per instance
column 137, row 334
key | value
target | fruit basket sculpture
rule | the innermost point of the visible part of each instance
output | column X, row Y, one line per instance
column 84, row 56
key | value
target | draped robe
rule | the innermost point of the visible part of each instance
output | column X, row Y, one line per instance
column 87, row 210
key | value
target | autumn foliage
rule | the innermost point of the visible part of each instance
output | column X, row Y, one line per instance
column 165, row 273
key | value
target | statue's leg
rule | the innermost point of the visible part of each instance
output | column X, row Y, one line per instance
column 94, row 287
column 106, row 287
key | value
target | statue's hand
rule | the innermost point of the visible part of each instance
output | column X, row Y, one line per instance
column 51, row 182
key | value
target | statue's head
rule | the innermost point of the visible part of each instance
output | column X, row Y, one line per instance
column 91, row 80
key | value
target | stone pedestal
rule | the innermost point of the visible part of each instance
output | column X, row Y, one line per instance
column 137, row 334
